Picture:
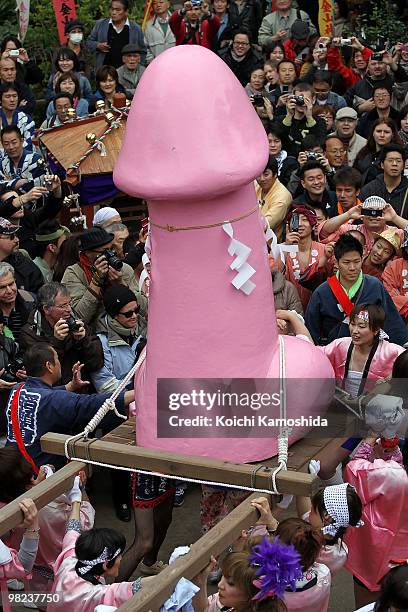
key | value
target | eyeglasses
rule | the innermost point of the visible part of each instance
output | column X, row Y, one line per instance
column 241, row 44
column 130, row 313
column 63, row 306
column 9, row 236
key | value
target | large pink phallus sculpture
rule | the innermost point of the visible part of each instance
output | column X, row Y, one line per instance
column 192, row 148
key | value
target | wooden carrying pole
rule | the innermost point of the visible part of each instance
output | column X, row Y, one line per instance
column 186, row 466
column 212, row 543
column 41, row 494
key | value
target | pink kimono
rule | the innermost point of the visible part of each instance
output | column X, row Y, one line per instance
column 52, row 522
column 76, row 594
column 381, row 365
column 10, row 567
column 333, row 556
column 383, row 490
column 294, row 271
column 314, row 599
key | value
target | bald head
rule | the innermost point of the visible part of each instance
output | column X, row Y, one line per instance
column 7, row 70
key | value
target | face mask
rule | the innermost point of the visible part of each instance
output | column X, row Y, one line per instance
column 76, row 37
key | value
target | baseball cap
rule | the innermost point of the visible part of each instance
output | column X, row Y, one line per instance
column 300, row 29
column 346, row 113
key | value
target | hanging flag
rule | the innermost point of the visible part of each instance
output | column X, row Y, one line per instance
column 326, row 15
column 64, row 11
column 23, row 8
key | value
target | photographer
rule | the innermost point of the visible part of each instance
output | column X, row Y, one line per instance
column 95, row 272
column 54, row 323
column 27, row 275
column 194, row 24
column 299, row 121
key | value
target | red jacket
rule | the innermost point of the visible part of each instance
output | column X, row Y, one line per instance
column 203, row 36
column 335, row 63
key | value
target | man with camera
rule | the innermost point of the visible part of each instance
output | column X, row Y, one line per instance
column 98, row 268
column 54, row 323
column 382, row 70
column 27, row 275
column 299, row 120
column 194, row 24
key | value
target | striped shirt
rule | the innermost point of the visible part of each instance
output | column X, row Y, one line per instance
column 24, row 123
column 27, row 168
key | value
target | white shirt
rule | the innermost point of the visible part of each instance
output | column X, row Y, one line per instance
column 127, row 23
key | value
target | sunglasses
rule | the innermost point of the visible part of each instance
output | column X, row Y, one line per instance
column 130, row 313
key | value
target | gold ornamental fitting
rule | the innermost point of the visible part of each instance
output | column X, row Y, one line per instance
column 91, row 138
column 109, row 117
column 100, row 105
column 71, row 113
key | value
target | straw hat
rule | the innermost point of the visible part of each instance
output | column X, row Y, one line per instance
column 392, row 237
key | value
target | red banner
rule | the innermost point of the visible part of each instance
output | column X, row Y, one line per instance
column 64, row 11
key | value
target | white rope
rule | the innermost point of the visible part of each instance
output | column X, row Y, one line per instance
column 284, row 433
column 108, row 405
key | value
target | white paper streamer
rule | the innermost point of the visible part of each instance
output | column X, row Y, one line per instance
column 279, row 250
column 144, row 276
column 245, row 271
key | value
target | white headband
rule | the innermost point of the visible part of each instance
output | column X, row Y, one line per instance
column 335, row 502
column 104, row 556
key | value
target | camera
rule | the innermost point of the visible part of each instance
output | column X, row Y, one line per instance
column 11, row 369
column 299, row 100
column 371, row 212
column 321, row 46
column 73, row 326
column 345, row 42
column 258, row 100
column 196, row 2
column 294, row 222
column 14, row 53
column 311, row 155
column 378, row 57
column 113, row 260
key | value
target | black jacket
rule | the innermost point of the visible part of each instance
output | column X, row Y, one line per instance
column 364, row 89
column 367, row 119
column 298, row 130
column 329, row 201
column 250, row 18
column 243, row 69
column 395, row 198
column 28, row 276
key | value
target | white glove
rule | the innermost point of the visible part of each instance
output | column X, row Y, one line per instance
column 75, row 494
column 314, row 467
column 48, row 471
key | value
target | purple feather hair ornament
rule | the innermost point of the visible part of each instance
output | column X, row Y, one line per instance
column 279, row 568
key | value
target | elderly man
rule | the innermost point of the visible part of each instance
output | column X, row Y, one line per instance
column 121, row 232
column 15, row 304
column 131, row 71
column 345, row 123
column 109, row 36
column 276, row 26
column 158, row 33
column 20, row 168
column 96, row 270
column 27, row 275
column 54, row 323
column 8, row 75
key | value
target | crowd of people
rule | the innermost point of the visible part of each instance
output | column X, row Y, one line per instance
column 73, row 318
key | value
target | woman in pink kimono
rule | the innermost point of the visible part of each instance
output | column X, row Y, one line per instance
column 86, row 559
column 332, row 510
column 312, row 589
column 19, row 564
column 52, row 518
column 255, row 578
column 383, row 489
column 358, row 361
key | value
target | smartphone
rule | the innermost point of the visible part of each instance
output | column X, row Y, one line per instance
column 294, row 222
